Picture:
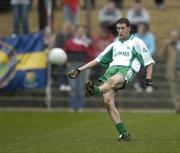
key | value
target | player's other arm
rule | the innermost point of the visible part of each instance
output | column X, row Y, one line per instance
column 149, row 69
column 147, row 60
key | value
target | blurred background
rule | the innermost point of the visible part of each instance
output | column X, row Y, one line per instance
column 29, row 28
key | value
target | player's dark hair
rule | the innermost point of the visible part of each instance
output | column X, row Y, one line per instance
column 123, row 21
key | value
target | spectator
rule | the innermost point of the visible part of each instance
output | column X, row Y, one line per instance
column 20, row 16
column 99, row 43
column 108, row 15
column 159, row 4
column 62, row 36
column 149, row 39
column 78, row 50
column 136, row 15
column 70, row 11
column 43, row 16
column 171, row 49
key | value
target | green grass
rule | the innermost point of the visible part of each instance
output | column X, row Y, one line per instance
column 62, row 132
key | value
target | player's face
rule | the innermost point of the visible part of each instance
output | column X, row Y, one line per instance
column 123, row 30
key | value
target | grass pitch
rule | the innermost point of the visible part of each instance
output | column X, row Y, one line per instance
column 90, row 132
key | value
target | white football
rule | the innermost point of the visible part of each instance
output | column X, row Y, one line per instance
column 57, row 56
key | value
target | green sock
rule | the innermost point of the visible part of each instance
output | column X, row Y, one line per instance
column 121, row 128
column 96, row 90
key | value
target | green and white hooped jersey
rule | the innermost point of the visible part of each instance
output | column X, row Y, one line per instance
column 131, row 52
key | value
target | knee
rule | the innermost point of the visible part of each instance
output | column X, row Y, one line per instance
column 112, row 83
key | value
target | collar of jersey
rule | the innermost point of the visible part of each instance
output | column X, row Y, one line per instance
column 129, row 37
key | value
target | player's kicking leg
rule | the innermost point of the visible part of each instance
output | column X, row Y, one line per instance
column 115, row 82
column 109, row 101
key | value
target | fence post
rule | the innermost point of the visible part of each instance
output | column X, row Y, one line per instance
column 49, row 79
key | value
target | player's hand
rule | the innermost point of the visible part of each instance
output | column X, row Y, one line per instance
column 73, row 74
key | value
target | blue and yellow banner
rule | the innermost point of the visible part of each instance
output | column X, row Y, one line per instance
column 23, row 62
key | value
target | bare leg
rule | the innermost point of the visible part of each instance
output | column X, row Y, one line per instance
column 114, row 82
column 109, row 98
column 108, row 91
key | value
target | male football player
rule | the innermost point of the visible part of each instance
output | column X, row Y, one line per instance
column 122, row 60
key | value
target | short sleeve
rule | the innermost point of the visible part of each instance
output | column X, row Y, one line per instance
column 143, row 53
column 105, row 57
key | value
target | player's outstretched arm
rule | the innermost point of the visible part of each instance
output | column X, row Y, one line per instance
column 89, row 65
column 74, row 73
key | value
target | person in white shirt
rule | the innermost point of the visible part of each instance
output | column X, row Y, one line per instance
column 108, row 16
column 122, row 60
column 137, row 14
